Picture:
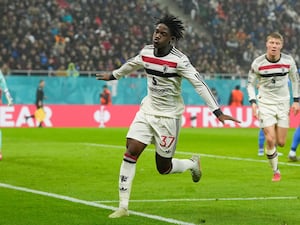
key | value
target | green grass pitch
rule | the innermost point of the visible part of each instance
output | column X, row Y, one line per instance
column 68, row 176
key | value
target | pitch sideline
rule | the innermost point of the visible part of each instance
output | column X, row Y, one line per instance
column 94, row 204
column 204, row 155
column 208, row 199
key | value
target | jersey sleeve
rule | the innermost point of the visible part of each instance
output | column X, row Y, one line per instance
column 131, row 65
column 188, row 71
column 294, row 78
column 251, row 85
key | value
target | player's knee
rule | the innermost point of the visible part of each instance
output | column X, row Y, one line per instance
column 281, row 143
column 163, row 169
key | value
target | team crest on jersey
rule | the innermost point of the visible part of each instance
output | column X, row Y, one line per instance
column 165, row 68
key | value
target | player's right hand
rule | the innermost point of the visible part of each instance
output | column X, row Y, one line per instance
column 254, row 110
column 102, row 76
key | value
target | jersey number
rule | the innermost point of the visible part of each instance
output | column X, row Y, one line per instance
column 154, row 81
column 167, row 141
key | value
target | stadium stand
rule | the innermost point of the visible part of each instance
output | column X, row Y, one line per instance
column 47, row 35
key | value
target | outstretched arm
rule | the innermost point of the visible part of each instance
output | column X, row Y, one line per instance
column 222, row 117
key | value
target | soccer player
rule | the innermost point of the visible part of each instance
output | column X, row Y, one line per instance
column 39, row 104
column 296, row 140
column 9, row 99
column 159, row 119
column 271, row 71
column 105, row 96
column 236, row 97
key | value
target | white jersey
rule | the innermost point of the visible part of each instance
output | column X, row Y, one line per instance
column 164, row 77
column 272, row 78
column 3, row 84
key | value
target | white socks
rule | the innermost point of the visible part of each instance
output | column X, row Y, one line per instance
column 127, row 173
column 181, row 165
column 273, row 158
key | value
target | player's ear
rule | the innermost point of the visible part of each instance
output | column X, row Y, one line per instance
column 173, row 39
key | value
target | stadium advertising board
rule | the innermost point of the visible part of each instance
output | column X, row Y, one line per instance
column 119, row 116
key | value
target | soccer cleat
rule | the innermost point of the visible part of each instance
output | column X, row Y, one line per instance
column 276, row 177
column 196, row 172
column 260, row 152
column 293, row 158
column 121, row 212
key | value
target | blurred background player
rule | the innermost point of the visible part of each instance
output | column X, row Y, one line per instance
column 9, row 99
column 296, row 140
column 236, row 97
column 105, row 96
column 39, row 114
column 271, row 72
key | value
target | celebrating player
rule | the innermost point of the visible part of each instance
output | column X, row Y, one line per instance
column 271, row 71
column 159, row 118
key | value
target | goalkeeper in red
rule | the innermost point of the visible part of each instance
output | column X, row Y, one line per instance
column 272, row 71
column 159, row 118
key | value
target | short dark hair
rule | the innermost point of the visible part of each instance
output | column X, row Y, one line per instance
column 174, row 24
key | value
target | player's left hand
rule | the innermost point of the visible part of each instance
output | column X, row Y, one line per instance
column 224, row 117
column 295, row 108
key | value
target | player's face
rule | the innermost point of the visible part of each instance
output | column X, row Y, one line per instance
column 161, row 36
column 274, row 47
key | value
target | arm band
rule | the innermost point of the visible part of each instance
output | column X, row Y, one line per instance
column 252, row 101
column 112, row 77
column 296, row 99
column 218, row 112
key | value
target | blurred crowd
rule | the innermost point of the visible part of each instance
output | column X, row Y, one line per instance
column 99, row 35
column 238, row 29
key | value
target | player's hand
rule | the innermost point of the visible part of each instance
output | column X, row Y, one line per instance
column 9, row 98
column 254, row 110
column 224, row 117
column 10, row 102
column 102, row 76
column 295, row 108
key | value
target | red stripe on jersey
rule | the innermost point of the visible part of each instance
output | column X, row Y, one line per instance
column 273, row 66
column 159, row 61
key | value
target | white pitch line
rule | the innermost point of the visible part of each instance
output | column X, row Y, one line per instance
column 203, row 155
column 94, row 204
column 208, row 199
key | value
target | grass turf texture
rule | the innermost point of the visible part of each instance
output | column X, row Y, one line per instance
column 84, row 164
